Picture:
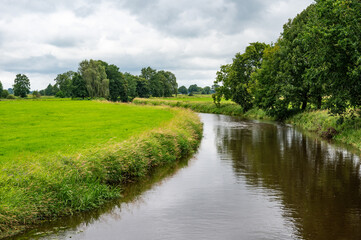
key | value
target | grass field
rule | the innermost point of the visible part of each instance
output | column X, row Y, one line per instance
column 60, row 157
column 45, row 127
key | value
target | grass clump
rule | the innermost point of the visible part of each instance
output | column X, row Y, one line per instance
column 57, row 184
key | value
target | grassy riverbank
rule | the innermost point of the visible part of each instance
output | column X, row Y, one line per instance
column 320, row 122
column 204, row 104
column 36, row 187
column 327, row 126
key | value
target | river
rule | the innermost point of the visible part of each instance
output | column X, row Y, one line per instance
column 248, row 180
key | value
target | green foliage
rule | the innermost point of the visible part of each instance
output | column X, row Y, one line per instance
column 10, row 96
column 42, row 187
column 193, row 89
column 64, row 83
column 79, row 89
column 36, row 94
column 4, row 94
column 206, row 90
column 142, row 89
column 348, row 130
column 49, row 90
column 236, row 78
column 21, row 85
column 315, row 64
column 1, row 89
column 118, row 86
column 161, row 83
column 183, row 90
column 95, row 77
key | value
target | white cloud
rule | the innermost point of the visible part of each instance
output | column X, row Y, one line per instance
column 191, row 38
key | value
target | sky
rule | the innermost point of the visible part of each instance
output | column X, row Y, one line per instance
column 191, row 38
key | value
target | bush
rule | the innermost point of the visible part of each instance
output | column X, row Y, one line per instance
column 4, row 94
column 10, row 96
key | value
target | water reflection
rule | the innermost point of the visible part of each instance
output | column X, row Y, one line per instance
column 318, row 183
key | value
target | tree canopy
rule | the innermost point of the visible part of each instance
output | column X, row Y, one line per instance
column 315, row 63
column 21, row 85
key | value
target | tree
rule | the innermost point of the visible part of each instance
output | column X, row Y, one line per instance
column 93, row 72
column 79, row 89
column 193, row 89
column 49, row 90
column 143, row 89
column 36, row 94
column 183, row 90
column 172, row 82
column 206, row 90
column 1, row 89
column 236, row 78
column 64, row 83
column 117, row 84
column 21, row 85
column 334, row 40
column 131, row 82
column 148, row 73
column 4, row 93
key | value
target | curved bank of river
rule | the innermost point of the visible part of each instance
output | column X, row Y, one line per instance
column 249, row 180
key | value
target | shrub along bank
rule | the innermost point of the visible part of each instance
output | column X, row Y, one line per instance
column 34, row 191
column 345, row 130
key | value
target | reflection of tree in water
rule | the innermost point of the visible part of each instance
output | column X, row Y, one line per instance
column 318, row 184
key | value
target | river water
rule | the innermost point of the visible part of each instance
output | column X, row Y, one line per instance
column 249, row 180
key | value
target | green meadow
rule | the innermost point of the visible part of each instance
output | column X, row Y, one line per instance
column 29, row 128
column 62, row 157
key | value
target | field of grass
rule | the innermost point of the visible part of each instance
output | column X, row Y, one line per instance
column 46, row 127
column 60, row 157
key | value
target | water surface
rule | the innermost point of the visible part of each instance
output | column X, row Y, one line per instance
column 249, row 180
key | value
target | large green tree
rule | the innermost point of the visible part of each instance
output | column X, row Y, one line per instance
column 21, row 85
column 236, row 78
column 79, row 89
column 93, row 72
column 118, row 87
column 1, row 89
column 334, row 40
column 64, row 83
column 183, row 90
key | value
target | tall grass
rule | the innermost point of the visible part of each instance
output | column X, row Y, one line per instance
column 35, row 190
column 347, row 131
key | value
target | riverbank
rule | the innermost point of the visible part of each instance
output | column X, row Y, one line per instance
column 226, row 108
column 33, row 191
column 320, row 122
column 330, row 127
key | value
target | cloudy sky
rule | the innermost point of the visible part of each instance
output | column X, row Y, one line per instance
column 191, row 38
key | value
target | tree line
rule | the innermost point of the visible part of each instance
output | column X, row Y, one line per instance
column 315, row 63
column 98, row 79
column 194, row 89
